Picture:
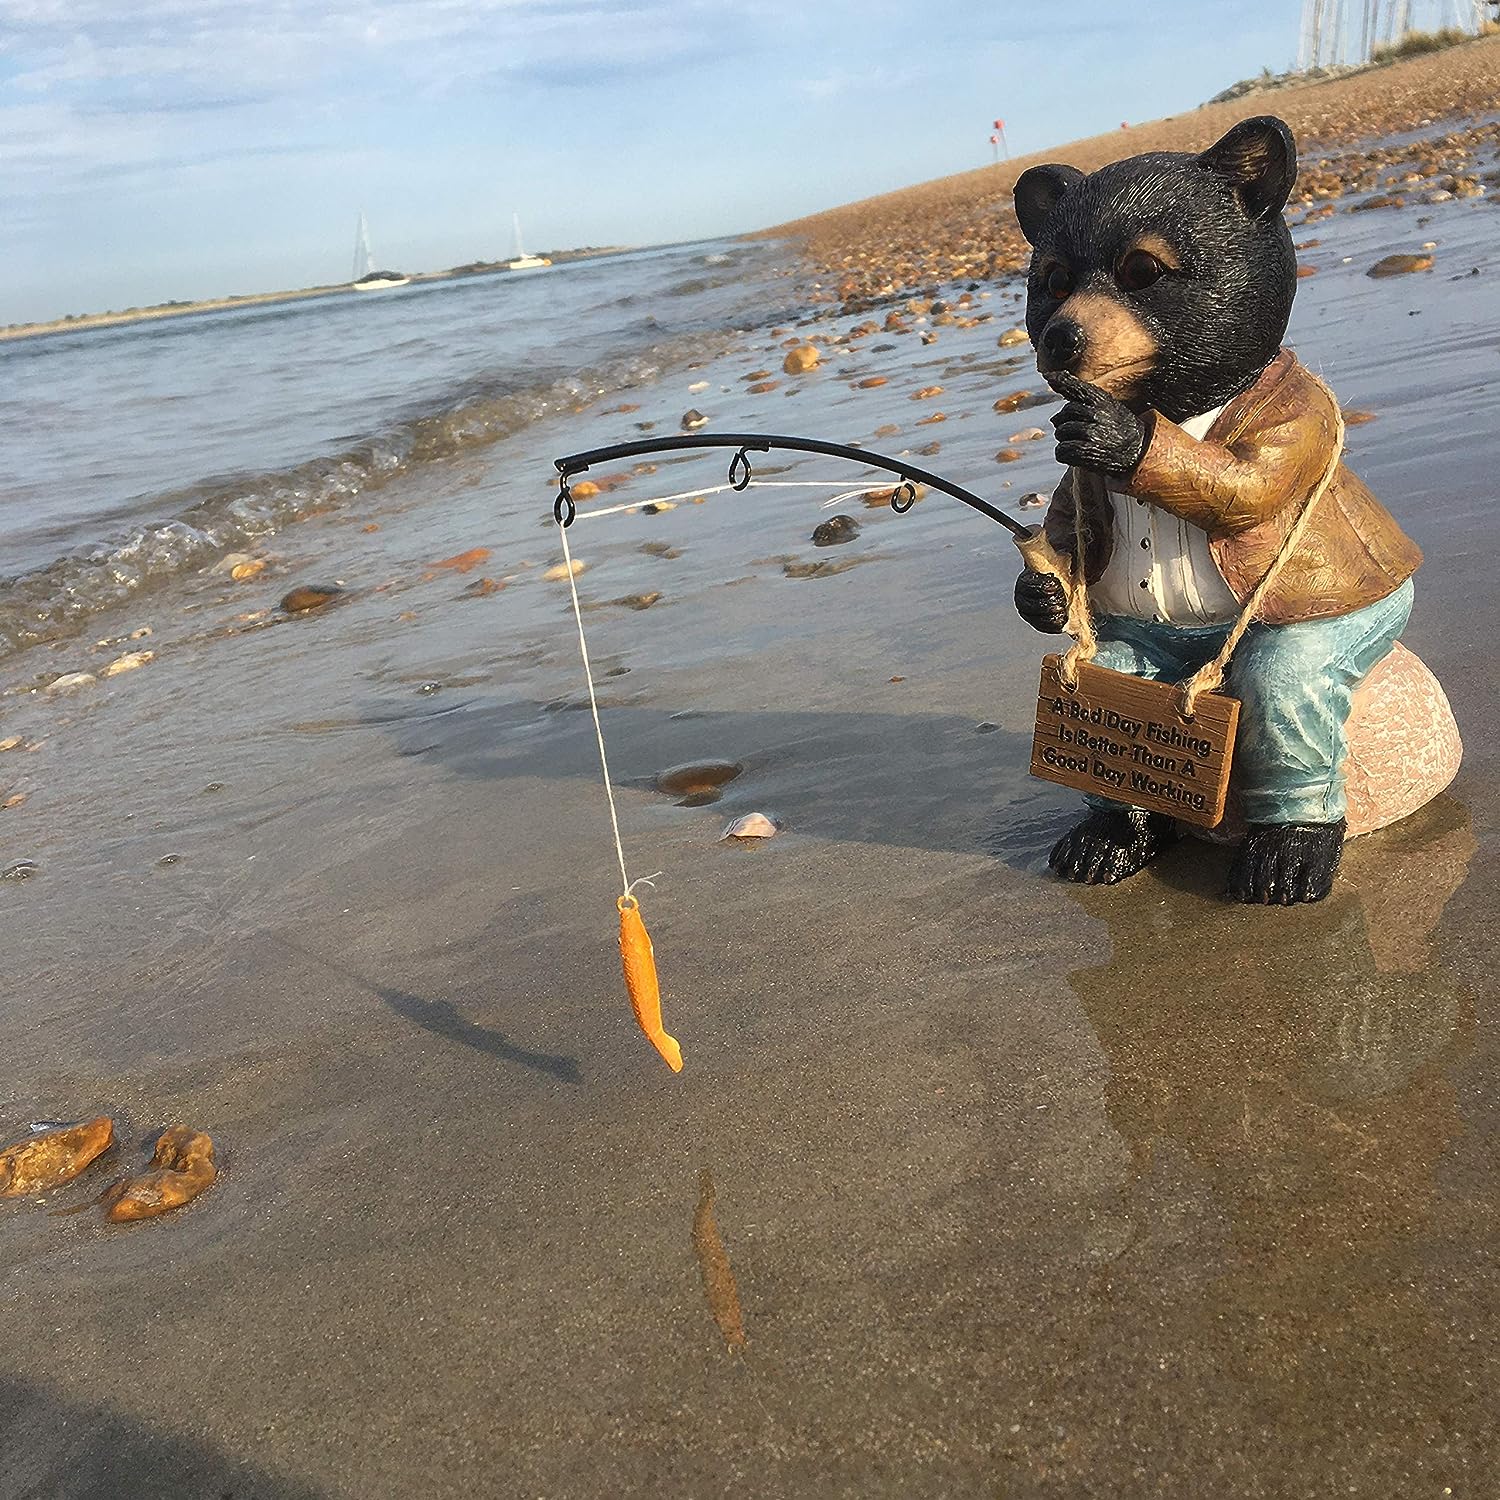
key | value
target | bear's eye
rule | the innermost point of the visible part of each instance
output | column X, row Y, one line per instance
column 1059, row 281
column 1138, row 270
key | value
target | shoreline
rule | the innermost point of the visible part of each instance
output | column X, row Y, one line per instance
column 160, row 310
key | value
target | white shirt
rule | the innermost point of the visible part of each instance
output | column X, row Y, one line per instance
column 1161, row 568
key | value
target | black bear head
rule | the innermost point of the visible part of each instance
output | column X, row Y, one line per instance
column 1165, row 279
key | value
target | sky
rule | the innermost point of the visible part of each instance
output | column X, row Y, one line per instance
column 156, row 149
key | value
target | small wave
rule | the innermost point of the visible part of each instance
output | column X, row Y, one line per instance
column 219, row 515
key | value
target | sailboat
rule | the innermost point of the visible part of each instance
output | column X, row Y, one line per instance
column 366, row 278
column 523, row 261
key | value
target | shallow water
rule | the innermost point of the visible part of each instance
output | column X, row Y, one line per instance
column 1022, row 1188
column 139, row 451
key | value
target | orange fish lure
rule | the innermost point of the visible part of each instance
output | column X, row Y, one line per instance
column 640, row 979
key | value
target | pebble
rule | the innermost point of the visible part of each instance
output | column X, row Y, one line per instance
column 699, row 781
column 230, row 561
column 1013, row 336
column 696, row 386
column 481, row 587
column 240, row 572
column 937, row 416
column 761, row 387
column 1399, row 265
column 1353, row 418
column 751, row 826
column 69, row 681
column 870, row 382
column 20, row 869
column 1034, row 501
column 637, row 601
column 128, row 663
column 11, row 742
column 877, row 498
column 53, row 1157
column 658, row 507
column 834, row 531
column 1013, row 402
column 585, row 489
column 927, row 393
column 659, row 549
column 887, row 429
column 309, row 596
column 1026, row 435
column 464, row 562
column 693, row 419
column 560, row 571
column 757, row 375
column 183, row 1166
column 800, row 360
column 1008, row 455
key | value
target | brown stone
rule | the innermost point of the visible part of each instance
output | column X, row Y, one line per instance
column 1008, row 455
column 586, row 489
column 1013, row 402
column 1013, row 336
column 870, row 382
column 1399, row 265
column 1303, row 272
column 927, row 393
column 762, row 386
column 308, row 596
column 1354, row 418
column 801, row 359
column 183, row 1165
column 52, row 1157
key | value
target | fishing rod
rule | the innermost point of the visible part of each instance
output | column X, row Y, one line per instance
column 903, row 497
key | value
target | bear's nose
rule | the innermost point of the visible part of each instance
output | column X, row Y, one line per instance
column 1062, row 343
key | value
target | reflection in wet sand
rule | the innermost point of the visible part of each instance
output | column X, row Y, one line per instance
column 718, row 1275
column 1283, row 1090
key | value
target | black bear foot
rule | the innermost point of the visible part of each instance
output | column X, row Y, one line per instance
column 1111, row 844
column 1280, row 864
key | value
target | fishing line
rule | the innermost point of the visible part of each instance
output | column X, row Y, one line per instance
column 718, row 489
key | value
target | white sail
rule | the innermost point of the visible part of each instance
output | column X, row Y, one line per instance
column 364, row 259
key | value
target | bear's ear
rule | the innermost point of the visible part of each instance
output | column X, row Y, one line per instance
column 1259, row 159
column 1037, row 192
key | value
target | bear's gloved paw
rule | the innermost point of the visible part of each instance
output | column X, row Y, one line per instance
column 1281, row 864
column 1041, row 602
column 1111, row 844
column 1094, row 430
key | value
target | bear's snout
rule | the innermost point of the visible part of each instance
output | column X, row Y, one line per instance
column 1063, row 343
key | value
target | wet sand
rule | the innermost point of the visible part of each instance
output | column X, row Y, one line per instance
column 1022, row 1189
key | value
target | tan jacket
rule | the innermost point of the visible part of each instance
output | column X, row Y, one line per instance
column 1244, row 485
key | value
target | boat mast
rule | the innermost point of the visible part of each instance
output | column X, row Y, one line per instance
column 520, row 249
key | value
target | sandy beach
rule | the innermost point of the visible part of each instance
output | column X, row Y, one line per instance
column 1013, row 1188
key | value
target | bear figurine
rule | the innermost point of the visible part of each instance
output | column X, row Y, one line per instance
column 1159, row 293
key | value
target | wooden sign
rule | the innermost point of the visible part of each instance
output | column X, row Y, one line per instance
column 1124, row 738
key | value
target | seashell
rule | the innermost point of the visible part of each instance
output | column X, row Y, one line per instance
column 751, row 826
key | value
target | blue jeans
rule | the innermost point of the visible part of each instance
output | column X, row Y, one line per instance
column 1294, row 683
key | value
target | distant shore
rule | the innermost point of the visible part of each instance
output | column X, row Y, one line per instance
column 264, row 299
column 963, row 227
